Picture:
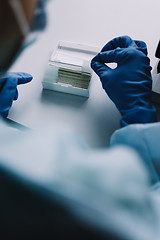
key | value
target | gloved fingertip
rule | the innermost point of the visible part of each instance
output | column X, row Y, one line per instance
column 4, row 114
column 99, row 68
column 96, row 58
column 142, row 46
column 94, row 61
column 100, row 57
column 24, row 78
column 94, row 64
column 16, row 95
column 144, row 50
column 27, row 76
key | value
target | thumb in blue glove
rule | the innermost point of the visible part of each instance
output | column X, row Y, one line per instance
column 129, row 85
column 8, row 89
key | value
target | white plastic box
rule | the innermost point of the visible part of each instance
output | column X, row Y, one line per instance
column 69, row 70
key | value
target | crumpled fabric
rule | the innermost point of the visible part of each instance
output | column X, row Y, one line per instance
column 108, row 188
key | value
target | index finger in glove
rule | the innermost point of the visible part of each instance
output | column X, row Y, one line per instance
column 23, row 77
column 120, row 42
column 109, row 56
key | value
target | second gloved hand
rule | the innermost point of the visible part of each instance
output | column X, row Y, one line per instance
column 129, row 85
column 8, row 89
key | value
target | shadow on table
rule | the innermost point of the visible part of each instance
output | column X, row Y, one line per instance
column 63, row 99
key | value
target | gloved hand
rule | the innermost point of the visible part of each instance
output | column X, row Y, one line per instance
column 8, row 89
column 129, row 85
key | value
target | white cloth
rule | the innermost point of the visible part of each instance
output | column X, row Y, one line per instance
column 109, row 188
column 145, row 139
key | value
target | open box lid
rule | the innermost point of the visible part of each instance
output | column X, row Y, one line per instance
column 73, row 56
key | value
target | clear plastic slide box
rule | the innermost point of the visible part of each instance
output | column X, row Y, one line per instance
column 69, row 70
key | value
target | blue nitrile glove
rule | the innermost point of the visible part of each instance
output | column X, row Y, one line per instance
column 129, row 85
column 8, row 89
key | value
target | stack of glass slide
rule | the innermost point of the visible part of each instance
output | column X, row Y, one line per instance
column 69, row 70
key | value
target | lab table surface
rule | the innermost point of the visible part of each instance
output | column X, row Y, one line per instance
column 88, row 22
